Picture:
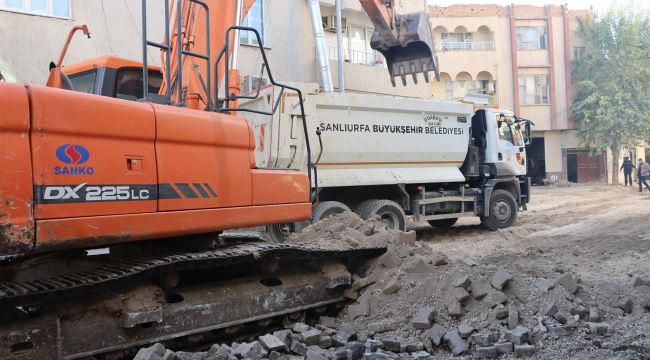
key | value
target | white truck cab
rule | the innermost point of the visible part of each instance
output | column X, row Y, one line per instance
column 506, row 145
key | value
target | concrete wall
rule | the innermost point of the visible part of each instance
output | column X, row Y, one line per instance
column 553, row 145
column 30, row 42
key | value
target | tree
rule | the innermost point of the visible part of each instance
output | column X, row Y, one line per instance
column 612, row 79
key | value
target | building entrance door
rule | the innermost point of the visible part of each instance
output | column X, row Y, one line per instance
column 588, row 167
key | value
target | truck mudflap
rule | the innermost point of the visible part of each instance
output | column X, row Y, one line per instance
column 525, row 184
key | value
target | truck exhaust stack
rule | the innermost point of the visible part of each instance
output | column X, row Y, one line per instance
column 411, row 51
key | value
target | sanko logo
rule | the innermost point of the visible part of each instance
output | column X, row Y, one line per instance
column 73, row 154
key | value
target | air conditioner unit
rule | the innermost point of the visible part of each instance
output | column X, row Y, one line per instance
column 329, row 23
column 252, row 83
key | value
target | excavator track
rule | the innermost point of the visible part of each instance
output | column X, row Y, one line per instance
column 37, row 291
column 120, row 304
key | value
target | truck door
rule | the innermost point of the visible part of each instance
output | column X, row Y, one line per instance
column 91, row 155
column 511, row 148
column 204, row 159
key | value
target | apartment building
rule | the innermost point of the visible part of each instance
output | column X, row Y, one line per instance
column 519, row 56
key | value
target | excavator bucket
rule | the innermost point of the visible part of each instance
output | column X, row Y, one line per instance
column 412, row 52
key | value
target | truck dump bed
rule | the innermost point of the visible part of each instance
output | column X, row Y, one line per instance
column 366, row 139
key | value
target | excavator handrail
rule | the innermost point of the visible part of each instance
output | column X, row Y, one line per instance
column 265, row 64
column 167, row 47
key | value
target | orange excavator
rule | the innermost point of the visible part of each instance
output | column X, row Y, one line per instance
column 160, row 156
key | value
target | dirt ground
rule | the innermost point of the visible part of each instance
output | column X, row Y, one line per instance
column 573, row 273
column 599, row 233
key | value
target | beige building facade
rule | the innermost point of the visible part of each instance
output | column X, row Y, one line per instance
column 520, row 57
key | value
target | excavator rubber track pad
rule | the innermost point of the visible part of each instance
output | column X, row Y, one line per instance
column 415, row 52
column 121, row 269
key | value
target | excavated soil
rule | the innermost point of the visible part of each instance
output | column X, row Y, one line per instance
column 579, row 257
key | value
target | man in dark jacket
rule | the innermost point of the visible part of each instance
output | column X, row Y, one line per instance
column 627, row 170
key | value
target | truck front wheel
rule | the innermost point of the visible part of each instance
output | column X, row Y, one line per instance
column 503, row 211
column 388, row 211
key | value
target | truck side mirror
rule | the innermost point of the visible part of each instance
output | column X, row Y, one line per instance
column 528, row 135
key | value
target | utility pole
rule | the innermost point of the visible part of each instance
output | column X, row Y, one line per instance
column 339, row 45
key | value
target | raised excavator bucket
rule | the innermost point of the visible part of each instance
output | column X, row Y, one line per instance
column 406, row 41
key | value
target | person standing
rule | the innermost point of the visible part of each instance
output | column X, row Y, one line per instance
column 627, row 170
column 644, row 174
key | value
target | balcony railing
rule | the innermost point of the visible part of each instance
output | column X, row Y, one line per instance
column 467, row 46
column 357, row 57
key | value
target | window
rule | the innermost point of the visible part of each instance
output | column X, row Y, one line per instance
column 356, row 47
column 456, row 41
column 257, row 18
column 84, row 82
column 505, row 132
column 534, row 90
column 578, row 52
column 58, row 8
column 531, row 37
column 129, row 83
column 457, row 37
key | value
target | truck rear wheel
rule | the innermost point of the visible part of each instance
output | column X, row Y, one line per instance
column 326, row 209
column 443, row 223
column 388, row 211
column 503, row 211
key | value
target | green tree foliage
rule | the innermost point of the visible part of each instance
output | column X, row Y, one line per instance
column 612, row 82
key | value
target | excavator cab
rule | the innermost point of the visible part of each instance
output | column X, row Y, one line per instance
column 406, row 41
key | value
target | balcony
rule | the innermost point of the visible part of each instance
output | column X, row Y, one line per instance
column 374, row 59
column 467, row 46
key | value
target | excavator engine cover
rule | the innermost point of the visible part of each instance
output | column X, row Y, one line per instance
column 413, row 52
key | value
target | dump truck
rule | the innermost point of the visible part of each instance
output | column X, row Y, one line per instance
column 392, row 156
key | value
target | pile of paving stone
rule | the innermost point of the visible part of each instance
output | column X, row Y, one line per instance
column 326, row 340
column 483, row 310
column 416, row 303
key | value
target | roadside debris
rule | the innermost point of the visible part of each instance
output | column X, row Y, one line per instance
column 417, row 303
